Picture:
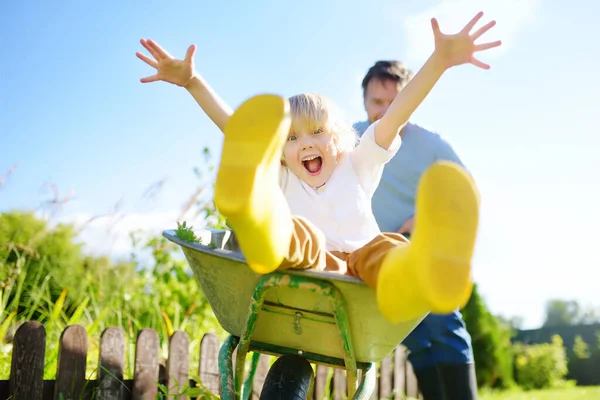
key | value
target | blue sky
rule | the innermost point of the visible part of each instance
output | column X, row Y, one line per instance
column 73, row 113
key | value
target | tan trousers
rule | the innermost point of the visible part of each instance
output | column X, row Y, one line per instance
column 307, row 250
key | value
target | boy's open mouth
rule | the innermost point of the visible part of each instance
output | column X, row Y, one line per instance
column 313, row 164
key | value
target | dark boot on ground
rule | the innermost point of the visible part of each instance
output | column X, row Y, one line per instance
column 430, row 384
column 459, row 381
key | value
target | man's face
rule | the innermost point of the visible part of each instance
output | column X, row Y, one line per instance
column 378, row 97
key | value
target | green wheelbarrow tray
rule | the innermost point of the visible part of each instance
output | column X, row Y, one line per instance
column 299, row 319
column 328, row 318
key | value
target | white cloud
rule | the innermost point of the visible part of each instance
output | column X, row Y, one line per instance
column 510, row 16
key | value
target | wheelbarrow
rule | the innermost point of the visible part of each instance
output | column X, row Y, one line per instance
column 299, row 316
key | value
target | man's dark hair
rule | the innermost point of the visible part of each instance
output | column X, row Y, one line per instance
column 387, row 70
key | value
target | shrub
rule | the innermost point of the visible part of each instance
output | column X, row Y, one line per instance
column 541, row 365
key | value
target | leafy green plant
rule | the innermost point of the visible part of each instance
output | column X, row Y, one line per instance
column 581, row 348
column 199, row 391
column 542, row 365
column 185, row 232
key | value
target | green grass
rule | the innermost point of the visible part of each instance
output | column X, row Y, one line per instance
column 570, row 393
column 573, row 393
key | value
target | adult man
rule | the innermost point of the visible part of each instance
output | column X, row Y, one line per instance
column 440, row 347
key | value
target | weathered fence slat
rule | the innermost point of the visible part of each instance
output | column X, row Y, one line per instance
column 145, row 381
column 111, row 364
column 321, row 381
column 340, row 388
column 386, row 378
column 399, row 372
column 27, row 366
column 208, row 370
column 178, row 364
column 72, row 359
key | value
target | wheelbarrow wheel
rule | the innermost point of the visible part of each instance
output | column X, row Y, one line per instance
column 290, row 378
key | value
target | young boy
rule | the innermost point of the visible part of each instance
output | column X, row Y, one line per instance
column 310, row 206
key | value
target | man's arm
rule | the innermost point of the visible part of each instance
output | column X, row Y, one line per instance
column 210, row 102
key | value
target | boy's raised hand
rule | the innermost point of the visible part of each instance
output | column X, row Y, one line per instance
column 460, row 48
column 168, row 69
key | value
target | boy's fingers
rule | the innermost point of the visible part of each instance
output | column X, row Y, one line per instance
column 435, row 26
column 485, row 46
column 189, row 55
column 483, row 30
column 147, row 59
column 472, row 22
column 144, row 43
column 479, row 64
column 150, row 49
column 161, row 52
column 148, row 79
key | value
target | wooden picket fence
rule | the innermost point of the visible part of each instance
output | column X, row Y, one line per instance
column 395, row 376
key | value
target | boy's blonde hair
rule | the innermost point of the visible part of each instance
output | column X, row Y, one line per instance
column 314, row 111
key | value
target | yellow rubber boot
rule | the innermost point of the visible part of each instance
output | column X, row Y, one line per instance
column 247, row 191
column 433, row 272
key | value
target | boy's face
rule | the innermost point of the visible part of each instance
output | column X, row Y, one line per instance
column 378, row 97
column 311, row 156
